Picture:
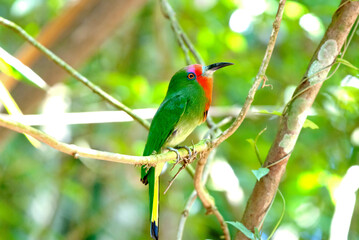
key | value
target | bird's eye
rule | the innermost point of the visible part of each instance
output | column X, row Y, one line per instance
column 191, row 76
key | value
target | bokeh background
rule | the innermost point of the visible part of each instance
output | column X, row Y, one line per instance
column 129, row 49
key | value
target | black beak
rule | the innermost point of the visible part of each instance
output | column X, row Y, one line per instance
column 215, row 66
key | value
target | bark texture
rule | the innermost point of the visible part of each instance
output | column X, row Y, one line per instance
column 295, row 113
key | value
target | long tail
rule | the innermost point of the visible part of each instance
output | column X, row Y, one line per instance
column 154, row 206
column 154, row 196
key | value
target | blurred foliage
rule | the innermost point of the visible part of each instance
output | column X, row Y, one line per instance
column 48, row 195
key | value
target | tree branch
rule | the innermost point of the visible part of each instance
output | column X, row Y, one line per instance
column 77, row 151
column 259, row 78
column 204, row 196
column 200, row 147
column 96, row 89
column 202, row 193
column 296, row 113
column 181, row 36
column 193, row 195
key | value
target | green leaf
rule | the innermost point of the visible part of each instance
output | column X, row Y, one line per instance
column 347, row 63
column 271, row 113
column 261, row 172
column 12, row 67
column 310, row 124
column 242, row 228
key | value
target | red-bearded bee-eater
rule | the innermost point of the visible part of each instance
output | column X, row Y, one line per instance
column 185, row 106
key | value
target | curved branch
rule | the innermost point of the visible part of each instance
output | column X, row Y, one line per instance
column 200, row 147
column 96, row 89
column 77, row 151
column 259, row 78
column 199, row 186
column 296, row 113
column 193, row 196
column 204, row 196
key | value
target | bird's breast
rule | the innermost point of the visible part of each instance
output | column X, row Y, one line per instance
column 181, row 132
column 194, row 115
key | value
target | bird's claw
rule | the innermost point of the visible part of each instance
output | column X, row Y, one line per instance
column 176, row 151
column 188, row 150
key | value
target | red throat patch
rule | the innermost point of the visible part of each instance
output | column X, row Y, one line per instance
column 205, row 82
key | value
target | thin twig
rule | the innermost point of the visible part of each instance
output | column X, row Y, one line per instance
column 215, row 127
column 201, row 176
column 96, row 89
column 185, row 162
column 259, row 78
column 170, row 14
column 174, row 177
column 183, row 40
column 192, row 49
column 185, row 214
column 279, row 160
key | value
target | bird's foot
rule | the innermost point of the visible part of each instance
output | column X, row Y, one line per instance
column 176, row 151
column 186, row 161
column 188, row 150
column 178, row 158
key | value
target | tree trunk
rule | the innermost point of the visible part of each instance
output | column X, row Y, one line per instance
column 296, row 112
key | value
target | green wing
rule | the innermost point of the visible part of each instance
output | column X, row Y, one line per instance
column 163, row 124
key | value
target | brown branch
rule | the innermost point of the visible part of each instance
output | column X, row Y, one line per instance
column 77, row 151
column 293, row 119
column 193, row 196
column 183, row 40
column 203, row 195
column 96, row 89
column 259, row 78
column 206, row 199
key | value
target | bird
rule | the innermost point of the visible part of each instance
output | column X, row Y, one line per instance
column 184, row 107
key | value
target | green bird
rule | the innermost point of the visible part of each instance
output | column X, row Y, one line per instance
column 185, row 106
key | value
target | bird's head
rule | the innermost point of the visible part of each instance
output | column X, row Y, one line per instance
column 195, row 77
column 199, row 74
column 204, row 74
column 196, row 74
